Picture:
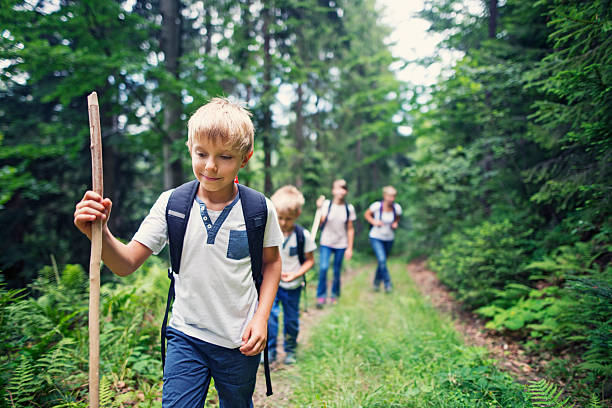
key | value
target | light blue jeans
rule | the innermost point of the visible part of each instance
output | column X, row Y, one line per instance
column 325, row 254
column 381, row 250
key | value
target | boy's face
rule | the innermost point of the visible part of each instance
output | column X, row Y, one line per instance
column 286, row 219
column 216, row 165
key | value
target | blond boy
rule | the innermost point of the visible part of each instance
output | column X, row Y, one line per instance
column 297, row 258
column 219, row 323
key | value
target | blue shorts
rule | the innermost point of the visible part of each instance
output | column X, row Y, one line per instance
column 190, row 364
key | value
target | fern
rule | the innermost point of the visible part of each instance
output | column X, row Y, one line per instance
column 594, row 402
column 106, row 393
column 24, row 384
column 545, row 395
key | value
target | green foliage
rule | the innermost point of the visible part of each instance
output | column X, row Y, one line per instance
column 477, row 262
column 546, row 394
column 46, row 342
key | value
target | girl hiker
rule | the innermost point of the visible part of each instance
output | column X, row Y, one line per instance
column 384, row 217
column 337, row 235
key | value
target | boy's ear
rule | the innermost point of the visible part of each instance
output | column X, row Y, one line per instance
column 246, row 158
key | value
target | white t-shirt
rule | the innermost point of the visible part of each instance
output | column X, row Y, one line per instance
column 385, row 232
column 215, row 296
column 291, row 261
column 334, row 234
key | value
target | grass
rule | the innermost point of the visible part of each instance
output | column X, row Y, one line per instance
column 394, row 350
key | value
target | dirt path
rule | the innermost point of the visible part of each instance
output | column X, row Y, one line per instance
column 509, row 355
column 282, row 374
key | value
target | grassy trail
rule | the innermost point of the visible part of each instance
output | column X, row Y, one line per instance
column 388, row 350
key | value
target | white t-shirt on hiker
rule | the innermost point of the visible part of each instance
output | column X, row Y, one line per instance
column 215, row 296
column 385, row 232
column 334, row 234
column 290, row 259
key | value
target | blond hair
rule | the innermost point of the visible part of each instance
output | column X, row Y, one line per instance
column 221, row 121
column 288, row 199
column 389, row 190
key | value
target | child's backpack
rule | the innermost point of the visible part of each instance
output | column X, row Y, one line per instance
column 178, row 209
column 329, row 210
column 299, row 236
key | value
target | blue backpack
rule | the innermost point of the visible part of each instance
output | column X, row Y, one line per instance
column 178, row 209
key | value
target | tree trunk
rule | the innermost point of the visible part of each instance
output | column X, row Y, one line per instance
column 171, row 47
column 267, row 101
column 492, row 18
column 299, row 137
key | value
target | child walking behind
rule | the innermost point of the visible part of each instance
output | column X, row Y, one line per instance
column 219, row 323
column 337, row 235
column 297, row 258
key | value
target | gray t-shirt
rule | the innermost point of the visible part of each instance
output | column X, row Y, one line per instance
column 215, row 294
column 334, row 234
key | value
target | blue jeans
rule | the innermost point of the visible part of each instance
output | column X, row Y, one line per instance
column 190, row 363
column 290, row 300
column 324, row 256
column 381, row 250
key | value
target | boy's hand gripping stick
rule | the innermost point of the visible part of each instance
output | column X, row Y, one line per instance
column 96, row 253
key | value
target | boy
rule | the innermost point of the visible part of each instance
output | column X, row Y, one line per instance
column 218, row 326
column 337, row 236
column 288, row 202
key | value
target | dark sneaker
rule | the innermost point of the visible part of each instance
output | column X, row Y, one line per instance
column 388, row 289
column 290, row 358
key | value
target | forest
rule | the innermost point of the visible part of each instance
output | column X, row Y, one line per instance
column 504, row 174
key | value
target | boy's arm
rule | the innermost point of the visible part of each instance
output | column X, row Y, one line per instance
column 255, row 335
column 350, row 231
column 122, row 259
column 305, row 267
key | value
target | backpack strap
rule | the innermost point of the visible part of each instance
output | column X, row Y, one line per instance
column 381, row 211
column 326, row 216
column 348, row 215
column 177, row 217
column 255, row 213
column 346, row 206
column 299, row 235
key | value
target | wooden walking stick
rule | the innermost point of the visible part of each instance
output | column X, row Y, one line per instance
column 316, row 221
column 96, row 254
column 313, row 234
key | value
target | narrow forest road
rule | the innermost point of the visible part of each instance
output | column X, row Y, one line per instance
column 282, row 375
column 395, row 350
